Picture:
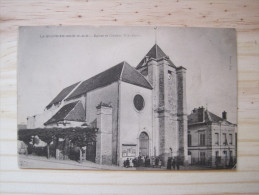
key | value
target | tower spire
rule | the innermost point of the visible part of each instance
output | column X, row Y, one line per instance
column 155, row 34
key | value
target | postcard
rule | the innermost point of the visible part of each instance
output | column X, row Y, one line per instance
column 127, row 98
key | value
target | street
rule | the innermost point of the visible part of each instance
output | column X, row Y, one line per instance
column 52, row 163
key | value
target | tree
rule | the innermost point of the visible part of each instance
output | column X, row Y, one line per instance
column 81, row 137
column 25, row 135
column 47, row 136
column 78, row 136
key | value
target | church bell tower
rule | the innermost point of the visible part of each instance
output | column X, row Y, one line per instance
column 169, row 104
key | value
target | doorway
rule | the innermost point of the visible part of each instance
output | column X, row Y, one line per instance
column 143, row 144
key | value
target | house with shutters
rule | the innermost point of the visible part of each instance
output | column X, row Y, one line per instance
column 138, row 110
column 212, row 140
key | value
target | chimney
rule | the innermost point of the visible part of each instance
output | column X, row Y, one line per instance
column 224, row 115
column 201, row 114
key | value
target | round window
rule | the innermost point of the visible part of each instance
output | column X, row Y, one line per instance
column 139, row 102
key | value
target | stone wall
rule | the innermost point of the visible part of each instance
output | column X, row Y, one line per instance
column 212, row 145
column 182, row 113
column 153, row 78
column 169, row 109
column 109, row 95
column 133, row 122
column 37, row 121
column 104, row 135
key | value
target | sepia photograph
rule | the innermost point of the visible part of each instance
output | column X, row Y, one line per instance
column 127, row 98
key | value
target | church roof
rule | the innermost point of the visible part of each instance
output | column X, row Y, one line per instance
column 72, row 112
column 156, row 53
column 122, row 71
column 132, row 76
column 62, row 95
column 202, row 115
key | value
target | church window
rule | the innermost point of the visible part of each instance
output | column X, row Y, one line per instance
column 169, row 74
column 139, row 102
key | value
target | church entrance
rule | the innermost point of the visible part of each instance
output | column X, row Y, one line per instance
column 143, row 144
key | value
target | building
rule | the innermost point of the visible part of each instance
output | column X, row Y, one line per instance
column 138, row 111
column 211, row 139
column 22, row 126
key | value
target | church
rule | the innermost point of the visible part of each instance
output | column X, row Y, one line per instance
column 138, row 110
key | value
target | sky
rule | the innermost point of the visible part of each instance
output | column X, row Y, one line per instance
column 52, row 58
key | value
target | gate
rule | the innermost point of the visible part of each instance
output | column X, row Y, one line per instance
column 91, row 151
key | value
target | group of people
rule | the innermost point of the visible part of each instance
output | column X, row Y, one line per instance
column 173, row 162
column 143, row 161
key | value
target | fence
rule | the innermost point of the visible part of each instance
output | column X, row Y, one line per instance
column 215, row 162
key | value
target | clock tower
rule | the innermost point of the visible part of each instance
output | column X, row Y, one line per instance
column 169, row 104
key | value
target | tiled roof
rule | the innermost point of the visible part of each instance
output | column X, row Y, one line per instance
column 156, row 53
column 102, row 79
column 202, row 115
column 72, row 112
column 122, row 71
column 132, row 76
column 62, row 95
column 214, row 117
